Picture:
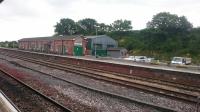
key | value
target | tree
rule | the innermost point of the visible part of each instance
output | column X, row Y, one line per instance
column 79, row 29
column 167, row 34
column 103, row 28
column 121, row 25
column 171, row 23
column 9, row 44
column 184, row 24
column 66, row 26
column 87, row 26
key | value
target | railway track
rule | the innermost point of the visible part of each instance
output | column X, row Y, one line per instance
column 149, row 79
column 119, row 80
column 157, row 107
column 170, row 90
column 57, row 104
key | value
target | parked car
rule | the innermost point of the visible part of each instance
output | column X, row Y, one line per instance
column 130, row 58
column 140, row 59
column 181, row 60
column 151, row 60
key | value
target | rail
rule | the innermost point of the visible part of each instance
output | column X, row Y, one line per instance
column 87, row 72
column 172, row 92
column 158, row 107
column 37, row 92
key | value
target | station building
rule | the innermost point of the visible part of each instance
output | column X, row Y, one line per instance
column 76, row 45
column 54, row 44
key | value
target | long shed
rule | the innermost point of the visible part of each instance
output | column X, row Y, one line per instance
column 77, row 45
column 53, row 44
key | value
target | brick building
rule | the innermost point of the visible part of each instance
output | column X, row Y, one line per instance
column 56, row 44
column 70, row 45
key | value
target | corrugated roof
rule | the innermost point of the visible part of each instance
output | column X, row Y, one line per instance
column 116, row 49
column 68, row 37
column 96, row 36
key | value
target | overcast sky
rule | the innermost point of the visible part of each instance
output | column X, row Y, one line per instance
column 32, row 18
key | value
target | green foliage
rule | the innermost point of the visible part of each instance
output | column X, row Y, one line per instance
column 121, row 25
column 167, row 35
column 160, row 44
column 9, row 44
column 103, row 28
column 170, row 23
column 87, row 26
column 66, row 26
column 90, row 26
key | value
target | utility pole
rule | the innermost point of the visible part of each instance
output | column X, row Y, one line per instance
column 95, row 51
column 12, row 44
column 96, row 29
column 62, row 47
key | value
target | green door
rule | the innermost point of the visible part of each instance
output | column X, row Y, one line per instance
column 78, row 51
column 99, row 52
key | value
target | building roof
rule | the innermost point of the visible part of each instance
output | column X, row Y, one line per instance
column 116, row 49
column 102, row 39
column 66, row 37
column 96, row 36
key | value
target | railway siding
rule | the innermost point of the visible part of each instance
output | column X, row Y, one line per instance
column 33, row 62
column 180, row 76
column 36, row 84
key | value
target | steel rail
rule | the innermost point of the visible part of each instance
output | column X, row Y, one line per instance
column 149, row 79
column 179, row 95
column 161, row 108
column 163, row 82
column 36, row 91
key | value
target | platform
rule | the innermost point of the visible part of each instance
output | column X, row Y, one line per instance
column 6, row 105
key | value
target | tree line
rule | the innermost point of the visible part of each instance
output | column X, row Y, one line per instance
column 165, row 36
column 88, row 26
column 9, row 44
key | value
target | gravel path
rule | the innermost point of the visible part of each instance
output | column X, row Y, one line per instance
column 87, row 99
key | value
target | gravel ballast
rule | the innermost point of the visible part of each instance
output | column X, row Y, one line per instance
column 25, row 99
column 98, row 101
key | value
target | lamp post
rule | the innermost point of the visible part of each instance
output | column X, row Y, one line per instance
column 62, row 47
column 96, row 26
column 95, row 51
column 12, row 44
column 96, row 31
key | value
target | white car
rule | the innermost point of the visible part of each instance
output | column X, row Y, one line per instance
column 140, row 59
column 150, row 60
column 130, row 58
column 181, row 60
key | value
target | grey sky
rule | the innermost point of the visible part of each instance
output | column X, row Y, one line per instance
column 31, row 18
